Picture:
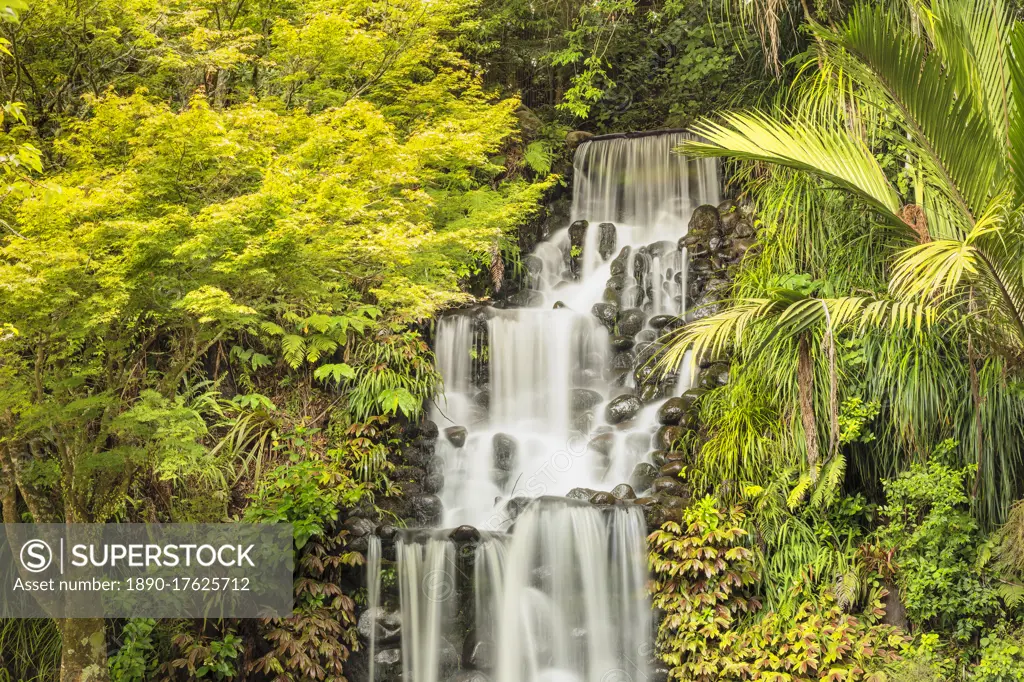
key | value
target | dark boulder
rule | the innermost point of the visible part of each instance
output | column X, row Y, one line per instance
column 428, row 431
column 456, row 435
column 624, row 491
column 465, row 534
column 427, row 509
column 603, row 499
column 478, row 653
column 671, row 411
column 504, row 448
column 623, row 360
column 631, row 321
column 705, row 220
column 668, row 485
column 621, row 261
column 622, row 408
column 433, row 483
column 667, row 437
column 584, row 399
column 581, row 494
column 606, row 240
column 605, row 313
column 643, row 475
column 622, row 342
column 578, row 233
column 671, row 469
column 666, row 323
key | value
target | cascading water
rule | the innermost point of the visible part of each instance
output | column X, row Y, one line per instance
column 555, row 397
column 546, row 420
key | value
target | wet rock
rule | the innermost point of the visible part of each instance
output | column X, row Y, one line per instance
column 358, row 526
column 669, row 485
column 621, row 261
column 624, row 491
column 456, row 435
column 641, row 263
column 514, row 506
column 705, row 220
column 585, row 399
column 621, row 409
column 527, row 298
column 690, row 398
column 647, row 352
column 670, row 501
column 623, row 360
column 428, row 431
column 602, row 443
column 622, row 342
column 387, row 629
column 643, row 475
column 631, row 321
column 663, row 457
column 666, row 323
column 575, row 138
column 659, row 249
column 581, row 494
column 671, row 469
column 433, row 483
column 616, row 282
column 504, row 448
column 714, row 376
column 744, row 229
column 603, row 499
column 435, row 466
column 667, row 436
column 606, row 240
column 533, row 264
column 578, row 233
column 643, row 373
column 605, row 313
column 465, row 533
column 610, row 296
column 646, row 336
column 558, row 305
column 427, row 509
column 717, row 243
column 739, row 248
column 671, row 411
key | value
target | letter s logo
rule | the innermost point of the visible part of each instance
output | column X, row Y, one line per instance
column 36, row 556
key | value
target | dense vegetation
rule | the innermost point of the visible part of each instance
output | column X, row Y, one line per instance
column 226, row 226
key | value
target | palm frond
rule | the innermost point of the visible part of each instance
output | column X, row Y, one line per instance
column 828, row 152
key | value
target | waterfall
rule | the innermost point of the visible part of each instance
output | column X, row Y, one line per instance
column 574, row 605
column 427, row 589
column 373, row 566
column 548, row 402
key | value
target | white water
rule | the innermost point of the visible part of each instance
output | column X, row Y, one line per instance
column 373, row 557
column 537, row 356
column 562, row 598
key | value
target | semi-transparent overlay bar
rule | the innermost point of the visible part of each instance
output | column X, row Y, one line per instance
column 130, row 570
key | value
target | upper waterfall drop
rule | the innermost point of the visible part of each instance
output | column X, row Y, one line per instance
column 544, row 399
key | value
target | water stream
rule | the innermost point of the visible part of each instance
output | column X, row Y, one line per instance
column 544, row 400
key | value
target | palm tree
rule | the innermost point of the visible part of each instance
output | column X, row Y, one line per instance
column 945, row 77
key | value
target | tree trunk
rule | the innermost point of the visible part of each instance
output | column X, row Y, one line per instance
column 805, row 384
column 84, row 652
